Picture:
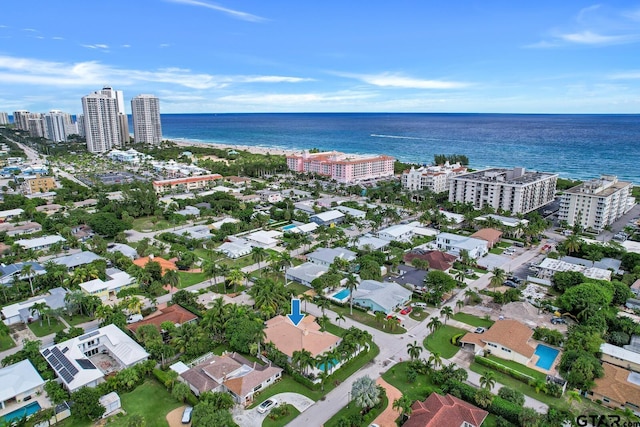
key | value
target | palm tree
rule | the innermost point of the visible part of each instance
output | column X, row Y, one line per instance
column 303, row 360
column 433, row 325
column 171, row 278
column 258, row 255
column 379, row 317
column 40, row 308
column 27, row 271
column 435, row 359
column 403, row 404
column 212, row 270
column 460, row 277
column 340, row 317
column 352, row 284
column 133, row 304
column 498, row 278
column 573, row 243
column 306, row 298
column 235, row 278
column 414, row 349
column 488, row 380
column 573, row 396
column 446, row 312
column 365, row 392
column 459, row 304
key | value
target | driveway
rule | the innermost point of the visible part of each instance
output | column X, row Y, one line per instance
column 252, row 418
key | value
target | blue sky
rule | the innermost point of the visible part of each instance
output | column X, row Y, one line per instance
column 316, row 56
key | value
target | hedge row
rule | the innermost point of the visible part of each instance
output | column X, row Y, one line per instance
column 504, row 369
column 163, row 378
column 500, row 407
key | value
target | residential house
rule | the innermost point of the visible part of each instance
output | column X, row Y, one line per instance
column 40, row 243
column 50, row 208
column 306, row 273
column 454, row 243
column 165, row 264
column 263, row 239
column 454, row 220
column 189, row 211
column 381, row 296
column 116, row 281
column 397, row 233
column 71, row 262
column 549, row 266
column 372, row 243
column 445, row 411
column 354, row 213
column 21, row 312
column 19, row 229
column 303, row 228
column 618, row 388
column 621, row 357
column 231, row 373
column 437, row 260
column 173, row 313
column 603, row 264
column 327, row 218
column 307, row 335
column 306, row 207
column 410, row 276
column 125, row 250
column 84, row 361
column 635, row 288
column 235, row 249
column 10, row 214
column 216, row 225
column 507, row 339
column 8, row 272
column 238, row 181
column 268, row 196
column 197, row 232
column 82, row 232
column 512, row 226
column 20, row 382
column 326, row 256
column 491, row 235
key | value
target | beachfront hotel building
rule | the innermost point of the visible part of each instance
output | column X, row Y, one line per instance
column 100, row 122
column 596, row 203
column 192, row 183
column 515, row 190
column 434, row 178
column 145, row 110
column 344, row 168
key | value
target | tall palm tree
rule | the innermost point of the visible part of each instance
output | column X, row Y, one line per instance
column 435, row 359
column 446, row 313
column 235, row 278
column 133, row 304
column 434, row 324
column 340, row 318
column 414, row 349
column 27, row 271
column 488, row 380
column 303, row 360
column 211, row 269
column 498, row 278
column 573, row 243
column 258, row 255
column 352, row 284
column 172, row 278
column 460, row 277
column 306, row 298
column 459, row 304
column 39, row 308
column 403, row 404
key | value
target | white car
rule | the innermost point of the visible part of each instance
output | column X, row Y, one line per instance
column 267, row 405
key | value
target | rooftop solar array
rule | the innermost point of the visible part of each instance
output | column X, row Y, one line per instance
column 61, row 364
column 85, row 364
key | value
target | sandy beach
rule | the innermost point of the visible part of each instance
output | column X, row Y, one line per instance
column 249, row 148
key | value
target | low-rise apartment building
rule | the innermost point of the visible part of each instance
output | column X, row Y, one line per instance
column 597, row 203
column 515, row 190
column 186, row 184
column 434, row 178
column 344, row 168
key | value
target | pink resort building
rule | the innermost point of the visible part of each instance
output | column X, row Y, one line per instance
column 344, row 168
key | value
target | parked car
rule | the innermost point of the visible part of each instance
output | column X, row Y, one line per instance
column 558, row 321
column 419, row 304
column 480, row 330
column 267, row 405
column 133, row 318
column 510, row 284
column 406, row 310
column 515, row 279
column 395, row 316
column 186, row 415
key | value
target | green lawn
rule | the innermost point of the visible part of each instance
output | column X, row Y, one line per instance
column 518, row 367
column 353, row 409
column 240, row 262
column 418, row 390
column 297, row 288
column 440, row 341
column 152, row 223
column 504, row 244
column 76, row 319
column 419, row 314
column 151, row 400
column 496, row 250
column 6, row 342
column 45, row 329
column 472, row 320
column 293, row 412
column 365, row 319
column 190, row 279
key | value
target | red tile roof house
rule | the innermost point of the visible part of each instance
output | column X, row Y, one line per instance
column 445, row 411
column 507, row 339
column 174, row 314
column 437, row 260
column 491, row 235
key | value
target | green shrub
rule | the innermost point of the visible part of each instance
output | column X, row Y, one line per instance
column 504, row 369
column 505, row 409
column 455, row 340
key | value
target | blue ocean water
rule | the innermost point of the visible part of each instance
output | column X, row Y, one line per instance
column 576, row 146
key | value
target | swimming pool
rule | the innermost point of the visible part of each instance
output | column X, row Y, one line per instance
column 546, row 356
column 332, row 364
column 289, row 227
column 25, row 411
column 342, row 295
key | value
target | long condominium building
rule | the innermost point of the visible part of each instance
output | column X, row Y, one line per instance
column 145, row 110
column 433, row 178
column 515, row 190
column 344, row 168
column 21, row 119
column 4, row 118
column 100, row 122
column 58, row 125
column 596, row 203
column 192, row 183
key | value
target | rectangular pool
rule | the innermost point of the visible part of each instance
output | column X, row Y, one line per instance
column 288, row 227
column 342, row 295
column 20, row 413
column 546, row 356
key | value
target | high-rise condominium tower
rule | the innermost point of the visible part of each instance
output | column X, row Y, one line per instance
column 146, row 119
column 100, row 122
column 123, row 122
column 4, row 118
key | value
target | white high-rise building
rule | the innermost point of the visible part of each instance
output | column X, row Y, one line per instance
column 80, row 125
column 597, row 203
column 4, row 118
column 21, row 119
column 58, row 125
column 123, row 122
column 100, row 122
column 515, row 190
column 36, row 125
column 147, row 128
column 433, row 178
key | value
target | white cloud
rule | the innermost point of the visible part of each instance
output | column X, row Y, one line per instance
column 96, row 46
column 31, row 30
column 400, row 81
column 163, row 45
column 234, row 13
column 57, row 38
column 629, row 75
column 591, row 38
column 126, row 46
column 89, row 73
column 295, row 99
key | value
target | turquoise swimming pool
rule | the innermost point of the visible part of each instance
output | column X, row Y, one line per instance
column 342, row 295
column 288, row 227
column 332, row 364
column 25, row 411
column 546, row 356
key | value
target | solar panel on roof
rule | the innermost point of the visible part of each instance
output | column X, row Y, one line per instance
column 85, row 364
column 46, row 352
column 66, row 376
column 64, row 350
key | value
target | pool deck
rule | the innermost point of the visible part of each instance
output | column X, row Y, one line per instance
column 43, row 400
column 553, row 369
